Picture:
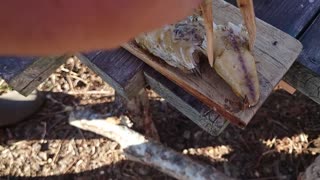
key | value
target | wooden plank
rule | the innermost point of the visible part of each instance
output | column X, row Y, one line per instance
column 305, row 73
column 24, row 74
column 187, row 104
column 274, row 61
column 120, row 69
column 177, row 97
column 310, row 56
column 305, row 80
column 290, row 16
column 293, row 17
column 10, row 66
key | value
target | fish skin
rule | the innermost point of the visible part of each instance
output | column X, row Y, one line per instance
column 178, row 45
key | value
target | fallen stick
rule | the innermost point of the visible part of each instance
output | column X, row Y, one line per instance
column 137, row 148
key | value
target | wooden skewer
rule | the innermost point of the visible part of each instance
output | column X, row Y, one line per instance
column 207, row 8
column 247, row 11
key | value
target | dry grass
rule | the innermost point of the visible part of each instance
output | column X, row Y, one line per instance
column 280, row 142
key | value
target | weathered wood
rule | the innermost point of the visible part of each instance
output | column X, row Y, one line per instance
column 290, row 16
column 138, row 109
column 120, row 69
column 24, row 74
column 187, row 104
column 138, row 148
column 305, row 80
column 184, row 102
column 310, row 56
column 305, row 74
column 274, row 61
column 293, row 17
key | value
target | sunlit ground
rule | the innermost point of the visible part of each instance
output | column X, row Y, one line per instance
column 279, row 143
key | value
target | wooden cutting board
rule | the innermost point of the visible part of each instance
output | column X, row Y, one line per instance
column 275, row 51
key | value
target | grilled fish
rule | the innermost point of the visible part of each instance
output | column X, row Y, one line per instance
column 180, row 44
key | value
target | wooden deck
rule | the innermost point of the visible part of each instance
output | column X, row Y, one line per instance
column 298, row 18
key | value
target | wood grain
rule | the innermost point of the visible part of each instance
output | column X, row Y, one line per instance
column 120, row 69
column 11, row 66
column 310, row 56
column 187, row 104
column 275, row 51
column 305, row 80
column 108, row 64
column 294, row 17
column 24, row 74
column 290, row 16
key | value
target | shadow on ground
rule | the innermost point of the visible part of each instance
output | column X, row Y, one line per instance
column 279, row 143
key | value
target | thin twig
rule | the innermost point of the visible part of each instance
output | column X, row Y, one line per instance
column 89, row 92
column 280, row 124
column 57, row 153
column 82, row 135
column 70, row 83
column 264, row 154
column 71, row 165
column 74, row 147
column 44, row 133
column 80, row 79
column 68, row 71
column 1, row 82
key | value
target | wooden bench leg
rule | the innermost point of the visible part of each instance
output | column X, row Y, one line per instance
column 139, row 111
column 188, row 105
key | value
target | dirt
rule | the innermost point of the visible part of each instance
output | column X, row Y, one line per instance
column 279, row 143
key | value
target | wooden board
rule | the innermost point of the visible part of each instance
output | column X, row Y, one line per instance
column 274, row 50
column 187, row 104
column 24, row 74
column 294, row 17
column 120, row 69
column 305, row 80
column 310, row 56
column 290, row 16
column 191, row 107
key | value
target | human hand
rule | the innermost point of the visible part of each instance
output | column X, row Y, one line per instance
column 40, row 27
